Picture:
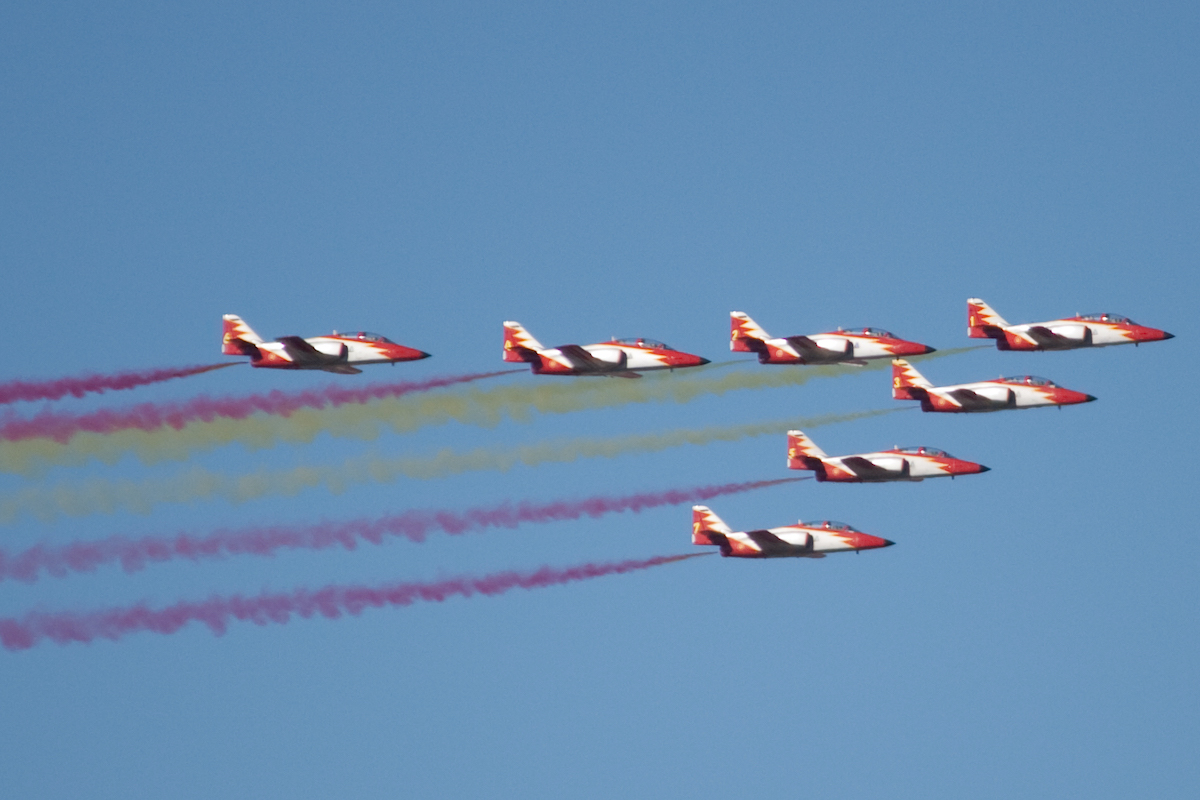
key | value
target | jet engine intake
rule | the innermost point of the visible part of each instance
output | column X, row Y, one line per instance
column 997, row 396
column 611, row 356
column 334, row 351
column 893, row 464
column 1075, row 333
column 838, row 347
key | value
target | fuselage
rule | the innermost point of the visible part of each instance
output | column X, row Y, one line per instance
column 805, row 540
column 858, row 344
column 1025, row 391
column 617, row 356
column 1070, row 333
column 899, row 464
column 353, row 348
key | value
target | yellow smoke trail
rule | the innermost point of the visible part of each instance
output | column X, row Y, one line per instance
column 476, row 406
column 105, row 496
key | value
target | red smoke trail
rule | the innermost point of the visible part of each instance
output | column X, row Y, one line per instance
column 151, row 416
column 15, row 391
column 264, row 541
column 330, row 601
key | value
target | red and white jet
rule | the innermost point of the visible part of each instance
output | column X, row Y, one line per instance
column 843, row 346
column 1081, row 330
column 897, row 464
column 333, row 353
column 621, row 358
column 1021, row 391
column 805, row 540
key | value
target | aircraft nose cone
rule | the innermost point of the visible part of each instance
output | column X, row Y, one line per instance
column 702, row 361
column 982, row 468
column 422, row 354
column 1087, row 398
column 865, row 541
column 928, row 350
column 1167, row 335
column 868, row 542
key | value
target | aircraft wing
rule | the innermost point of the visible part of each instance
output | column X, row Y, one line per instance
column 342, row 369
column 968, row 399
column 304, row 353
column 1046, row 337
column 769, row 543
column 865, row 468
column 582, row 359
column 810, row 350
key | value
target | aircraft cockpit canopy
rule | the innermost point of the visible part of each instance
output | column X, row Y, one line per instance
column 1113, row 318
column 653, row 344
column 1029, row 380
column 829, row 525
column 924, row 451
column 366, row 336
column 878, row 333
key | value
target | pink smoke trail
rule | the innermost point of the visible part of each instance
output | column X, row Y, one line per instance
column 415, row 526
column 152, row 416
column 15, row 391
column 330, row 601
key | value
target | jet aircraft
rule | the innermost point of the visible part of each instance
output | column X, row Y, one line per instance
column 1081, row 330
column 1021, row 391
column 897, row 464
column 621, row 358
column 843, row 346
column 336, row 352
column 805, row 540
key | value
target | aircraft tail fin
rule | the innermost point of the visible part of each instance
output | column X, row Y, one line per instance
column 239, row 338
column 982, row 320
column 803, row 453
column 905, row 378
column 705, row 524
column 745, row 335
column 519, row 345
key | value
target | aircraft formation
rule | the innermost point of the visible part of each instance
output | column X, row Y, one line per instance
column 165, row 430
column 341, row 353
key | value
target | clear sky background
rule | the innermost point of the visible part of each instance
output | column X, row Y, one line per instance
column 427, row 170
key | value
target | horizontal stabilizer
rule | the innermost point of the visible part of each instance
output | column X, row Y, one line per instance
column 240, row 347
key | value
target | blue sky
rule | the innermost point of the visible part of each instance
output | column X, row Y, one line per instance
column 429, row 170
